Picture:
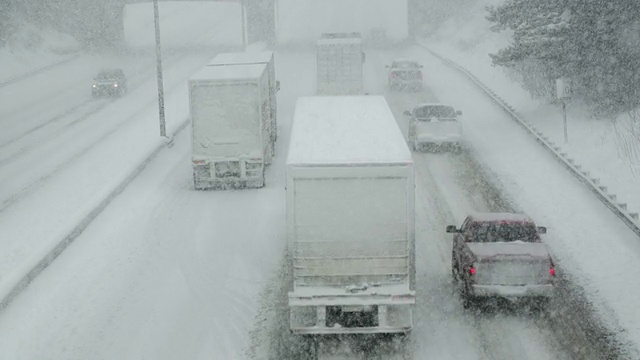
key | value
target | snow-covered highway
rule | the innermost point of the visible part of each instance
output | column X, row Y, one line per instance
column 167, row 272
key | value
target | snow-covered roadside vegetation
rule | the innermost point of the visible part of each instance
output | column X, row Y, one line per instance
column 606, row 144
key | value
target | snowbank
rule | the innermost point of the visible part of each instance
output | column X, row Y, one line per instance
column 32, row 48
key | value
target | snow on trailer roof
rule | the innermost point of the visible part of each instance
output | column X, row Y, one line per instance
column 345, row 129
column 229, row 72
column 495, row 217
column 241, row 58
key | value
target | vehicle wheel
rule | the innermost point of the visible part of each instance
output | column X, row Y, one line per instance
column 411, row 144
column 455, row 270
column 468, row 301
column 541, row 304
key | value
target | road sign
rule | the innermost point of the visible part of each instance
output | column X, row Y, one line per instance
column 563, row 88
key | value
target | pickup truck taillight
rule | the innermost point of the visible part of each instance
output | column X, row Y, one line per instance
column 552, row 271
column 472, row 270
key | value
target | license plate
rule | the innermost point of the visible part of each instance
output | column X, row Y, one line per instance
column 357, row 308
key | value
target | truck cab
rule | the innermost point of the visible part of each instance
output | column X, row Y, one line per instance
column 501, row 255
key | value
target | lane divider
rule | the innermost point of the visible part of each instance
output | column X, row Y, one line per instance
column 597, row 188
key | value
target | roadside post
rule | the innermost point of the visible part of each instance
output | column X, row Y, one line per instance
column 563, row 93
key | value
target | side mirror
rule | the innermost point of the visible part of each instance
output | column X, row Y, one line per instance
column 458, row 112
column 542, row 230
column 277, row 85
column 407, row 113
column 452, row 229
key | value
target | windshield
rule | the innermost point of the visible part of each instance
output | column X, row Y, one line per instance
column 107, row 75
column 405, row 65
column 496, row 232
column 440, row 112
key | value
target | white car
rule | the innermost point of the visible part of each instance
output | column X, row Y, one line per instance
column 405, row 74
column 434, row 127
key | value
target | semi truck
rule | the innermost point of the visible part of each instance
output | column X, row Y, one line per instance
column 339, row 64
column 230, row 117
column 350, row 218
column 252, row 58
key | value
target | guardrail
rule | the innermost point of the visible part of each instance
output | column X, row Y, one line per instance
column 15, row 79
column 608, row 199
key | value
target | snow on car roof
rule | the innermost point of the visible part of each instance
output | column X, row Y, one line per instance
column 229, row 72
column 242, row 58
column 494, row 217
column 345, row 129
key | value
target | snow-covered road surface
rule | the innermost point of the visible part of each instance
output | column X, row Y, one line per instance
column 167, row 272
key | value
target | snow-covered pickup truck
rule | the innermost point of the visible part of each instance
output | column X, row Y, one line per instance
column 501, row 255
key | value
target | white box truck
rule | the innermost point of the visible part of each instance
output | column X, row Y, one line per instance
column 350, row 218
column 339, row 64
column 230, row 109
column 252, row 58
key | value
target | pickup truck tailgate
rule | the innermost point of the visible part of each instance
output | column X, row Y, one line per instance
column 511, row 263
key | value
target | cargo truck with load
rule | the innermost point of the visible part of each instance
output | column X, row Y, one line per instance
column 252, row 58
column 230, row 118
column 350, row 218
column 339, row 64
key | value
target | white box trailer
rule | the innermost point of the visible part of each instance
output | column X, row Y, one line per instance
column 302, row 21
column 339, row 64
column 230, row 108
column 350, row 218
column 252, row 58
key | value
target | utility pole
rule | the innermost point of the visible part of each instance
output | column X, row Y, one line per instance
column 156, row 17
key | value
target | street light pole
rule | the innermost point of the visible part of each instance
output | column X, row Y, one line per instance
column 156, row 17
column 243, row 24
column 564, row 112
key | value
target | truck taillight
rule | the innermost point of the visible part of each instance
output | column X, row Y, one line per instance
column 552, row 271
column 472, row 270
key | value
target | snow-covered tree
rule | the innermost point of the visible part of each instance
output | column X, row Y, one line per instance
column 593, row 42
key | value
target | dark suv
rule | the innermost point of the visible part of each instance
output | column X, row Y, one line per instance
column 109, row 82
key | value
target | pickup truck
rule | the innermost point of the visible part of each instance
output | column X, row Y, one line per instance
column 434, row 127
column 501, row 255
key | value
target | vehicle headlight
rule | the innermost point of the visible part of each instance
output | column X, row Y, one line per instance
column 115, row 85
column 94, row 85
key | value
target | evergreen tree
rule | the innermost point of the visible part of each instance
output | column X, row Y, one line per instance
column 593, row 42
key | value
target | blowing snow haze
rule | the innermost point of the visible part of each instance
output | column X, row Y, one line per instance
column 340, row 179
